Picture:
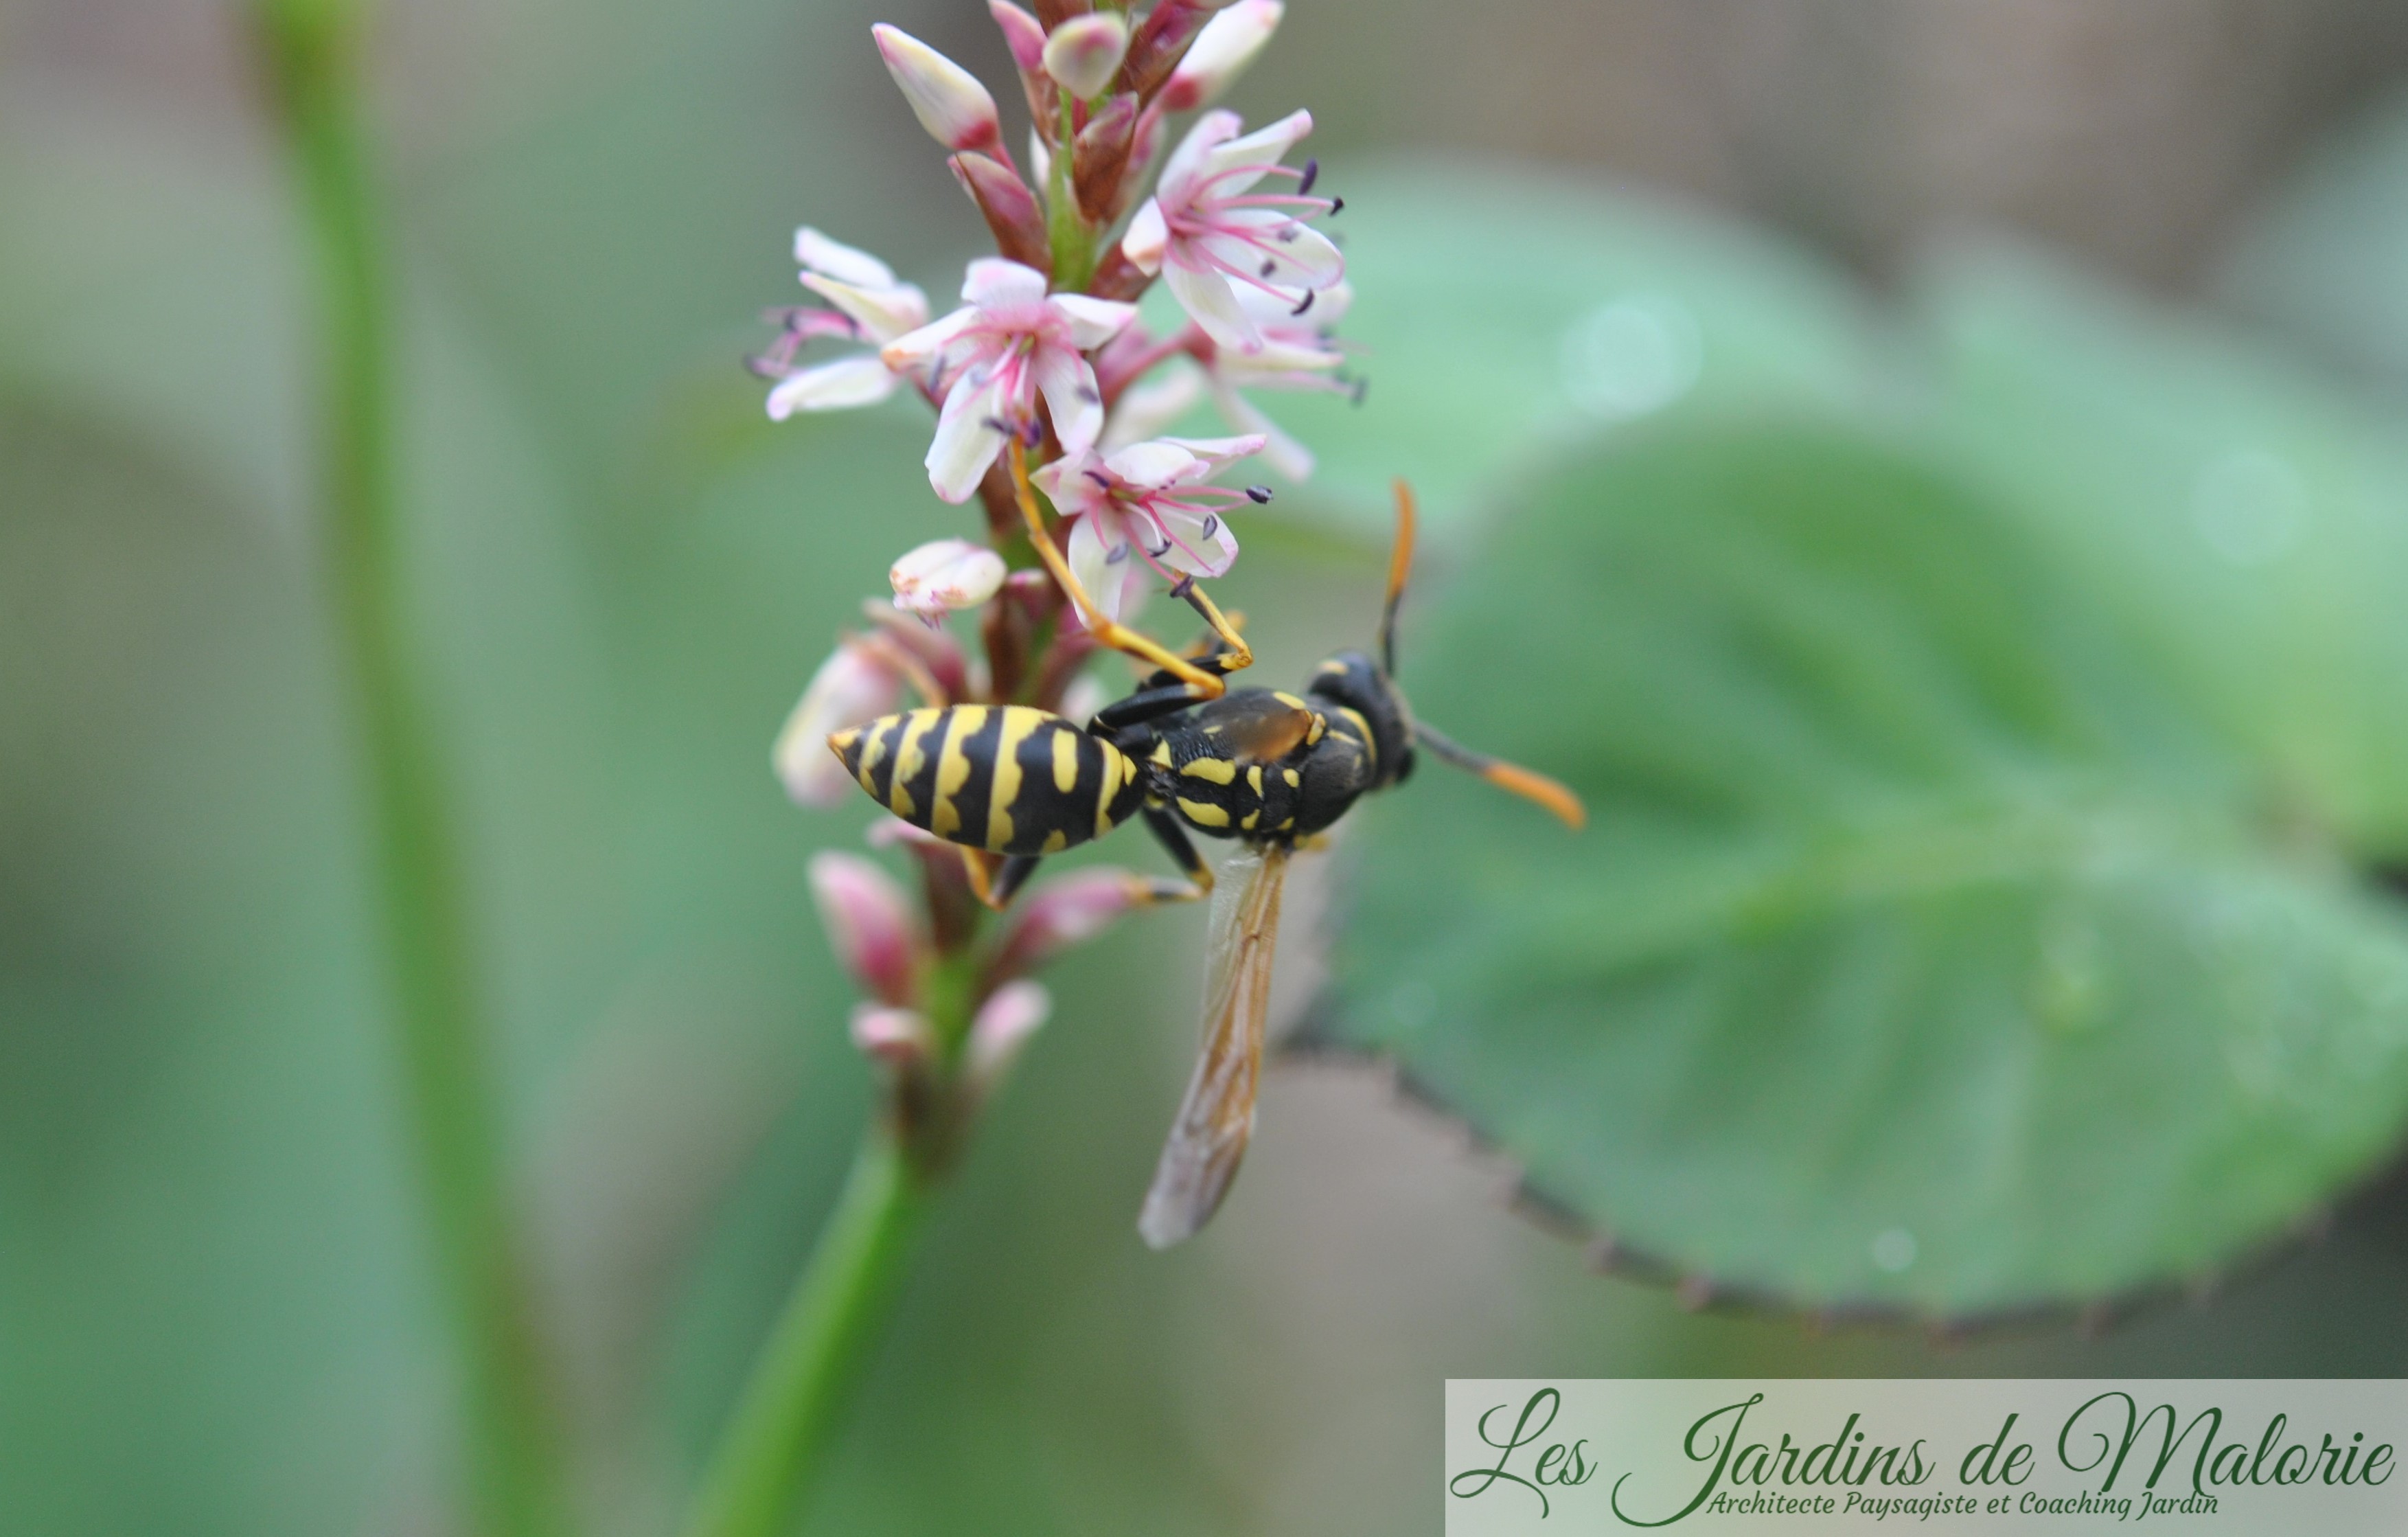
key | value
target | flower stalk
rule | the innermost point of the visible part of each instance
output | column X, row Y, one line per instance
column 1037, row 383
column 311, row 51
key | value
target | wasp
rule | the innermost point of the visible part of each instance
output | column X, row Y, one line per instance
column 1271, row 770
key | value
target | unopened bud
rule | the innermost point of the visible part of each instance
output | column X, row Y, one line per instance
column 901, row 1037
column 1001, row 1029
column 1100, row 155
column 1084, row 52
column 1009, row 208
column 852, row 687
column 944, row 575
column 1024, row 34
column 1221, row 53
column 947, row 99
column 1073, row 910
column 869, row 924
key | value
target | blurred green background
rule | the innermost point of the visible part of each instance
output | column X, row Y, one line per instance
column 1729, row 219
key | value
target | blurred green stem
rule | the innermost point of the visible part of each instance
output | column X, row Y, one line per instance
column 311, row 50
column 805, row 1374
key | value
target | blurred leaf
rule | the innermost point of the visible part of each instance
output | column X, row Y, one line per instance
column 1500, row 311
column 1919, row 956
column 2244, row 521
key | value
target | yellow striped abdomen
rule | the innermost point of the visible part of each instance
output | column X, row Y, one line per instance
column 1004, row 778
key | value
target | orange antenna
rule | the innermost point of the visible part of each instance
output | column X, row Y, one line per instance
column 1512, row 778
column 1401, row 571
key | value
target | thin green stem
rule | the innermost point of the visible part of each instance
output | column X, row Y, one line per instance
column 311, row 48
column 1073, row 242
column 805, row 1373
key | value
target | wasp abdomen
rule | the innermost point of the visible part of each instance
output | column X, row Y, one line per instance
column 1008, row 779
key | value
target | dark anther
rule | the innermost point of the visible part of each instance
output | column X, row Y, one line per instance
column 1309, row 296
column 1258, row 494
column 1312, row 173
column 1100, row 478
column 996, row 424
column 1336, row 205
column 1211, row 524
column 1090, row 396
column 1269, row 266
column 765, row 368
column 1119, row 553
column 1031, row 433
column 1361, row 387
column 1286, row 235
column 1184, row 586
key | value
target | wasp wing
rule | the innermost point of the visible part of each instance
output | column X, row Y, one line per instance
column 1208, row 1137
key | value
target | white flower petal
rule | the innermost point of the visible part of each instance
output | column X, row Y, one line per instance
column 1218, row 453
column 1207, row 299
column 1213, row 129
column 1084, row 52
column 885, row 313
column 967, row 440
column 1091, row 562
column 1152, row 465
column 1201, row 545
column 849, row 689
column 1264, row 146
column 860, row 379
column 1068, row 385
column 993, row 283
column 844, row 262
column 944, row 575
column 1068, row 482
column 1148, row 236
column 917, row 351
column 1093, row 322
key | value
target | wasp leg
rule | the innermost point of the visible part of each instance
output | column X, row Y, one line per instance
column 994, row 882
column 1228, row 651
column 1175, row 842
column 1204, row 685
column 1146, row 704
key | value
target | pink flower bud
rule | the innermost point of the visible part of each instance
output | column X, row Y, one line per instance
column 944, row 575
column 946, row 98
column 901, row 1037
column 1010, row 209
column 869, row 924
column 852, row 687
column 1024, row 34
column 1084, row 52
column 1221, row 53
column 1002, row 1026
column 1072, row 911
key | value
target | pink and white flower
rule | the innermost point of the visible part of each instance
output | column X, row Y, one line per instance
column 948, row 100
column 1298, row 354
column 871, row 306
column 1211, row 237
column 991, row 360
column 943, row 575
column 1146, row 507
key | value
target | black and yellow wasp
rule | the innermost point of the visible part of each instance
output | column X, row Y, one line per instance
column 1271, row 770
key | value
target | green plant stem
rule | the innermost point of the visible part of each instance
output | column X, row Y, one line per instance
column 310, row 46
column 805, row 1373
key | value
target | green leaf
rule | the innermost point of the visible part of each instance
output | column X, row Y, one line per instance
column 1500, row 312
column 1920, row 953
column 2244, row 521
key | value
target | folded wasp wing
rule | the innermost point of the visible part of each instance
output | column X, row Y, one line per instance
column 1208, row 1137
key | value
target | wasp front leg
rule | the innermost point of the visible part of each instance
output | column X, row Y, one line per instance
column 1175, row 842
column 995, row 881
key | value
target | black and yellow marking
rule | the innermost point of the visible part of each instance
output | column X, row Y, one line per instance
column 1007, row 778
